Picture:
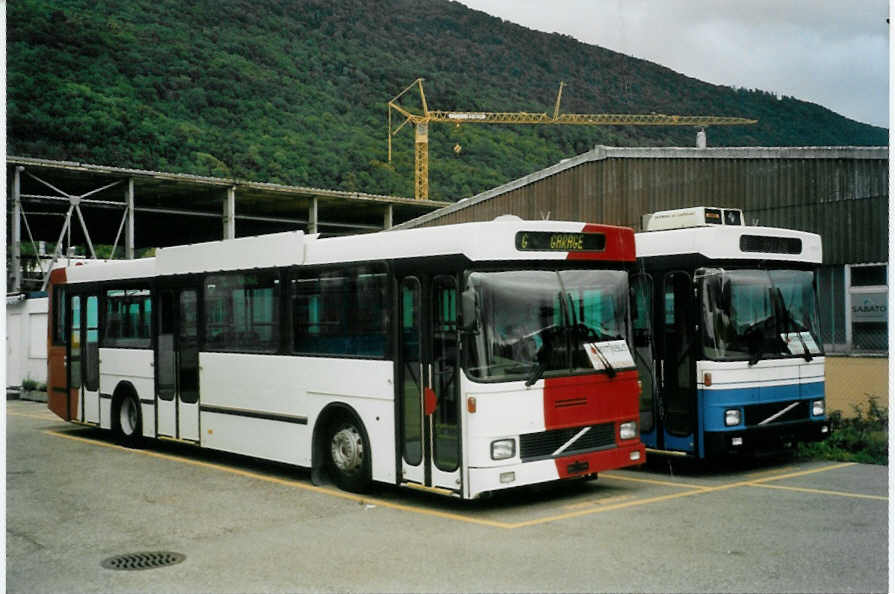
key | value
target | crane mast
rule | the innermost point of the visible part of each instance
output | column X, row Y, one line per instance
column 421, row 122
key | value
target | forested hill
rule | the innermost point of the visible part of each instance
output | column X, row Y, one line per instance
column 295, row 92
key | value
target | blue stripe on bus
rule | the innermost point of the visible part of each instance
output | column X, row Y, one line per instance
column 716, row 402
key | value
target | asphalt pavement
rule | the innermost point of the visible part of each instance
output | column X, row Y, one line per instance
column 75, row 499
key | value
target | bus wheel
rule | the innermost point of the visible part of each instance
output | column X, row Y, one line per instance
column 348, row 455
column 128, row 424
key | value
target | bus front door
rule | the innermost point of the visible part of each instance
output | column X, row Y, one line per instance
column 428, row 382
column 177, row 364
column 679, row 370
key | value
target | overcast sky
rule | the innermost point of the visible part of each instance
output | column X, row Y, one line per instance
column 831, row 52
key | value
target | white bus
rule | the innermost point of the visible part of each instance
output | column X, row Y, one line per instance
column 726, row 334
column 462, row 359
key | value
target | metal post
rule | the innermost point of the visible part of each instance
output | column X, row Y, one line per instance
column 129, row 225
column 230, row 214
column 17, row 229
column 389, row 217
column 312, row 216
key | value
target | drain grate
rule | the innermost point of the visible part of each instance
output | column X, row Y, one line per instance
column 146, row 560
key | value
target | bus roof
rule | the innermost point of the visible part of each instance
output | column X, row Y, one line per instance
column 732, row 243
column 505, row 239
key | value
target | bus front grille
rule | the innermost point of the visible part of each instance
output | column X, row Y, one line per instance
column 545, row 444
column 772, row 413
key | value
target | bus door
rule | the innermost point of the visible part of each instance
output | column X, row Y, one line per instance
column 644, row 354
column 83, row 357
column 177, row 364
column 678, row 364
column 428, row 381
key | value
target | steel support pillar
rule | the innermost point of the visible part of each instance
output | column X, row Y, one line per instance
column 17, row 229
column 129, row 224
column 230, row 214
column 312, row 217
column 389, row 217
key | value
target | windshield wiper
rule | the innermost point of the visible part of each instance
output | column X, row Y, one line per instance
column 610, row 370
column 589, row 334
column 790, row 323
column 535, row 374
column 754, row 336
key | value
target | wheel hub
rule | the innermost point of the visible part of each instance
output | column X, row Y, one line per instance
column 347, row 449
column 128, row 416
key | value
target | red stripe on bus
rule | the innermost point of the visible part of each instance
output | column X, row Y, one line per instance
column 582, row 400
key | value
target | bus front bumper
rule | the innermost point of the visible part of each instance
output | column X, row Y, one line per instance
column 756, row 439
column 484, row 480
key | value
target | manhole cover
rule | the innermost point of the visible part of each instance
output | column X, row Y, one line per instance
column 147, row 560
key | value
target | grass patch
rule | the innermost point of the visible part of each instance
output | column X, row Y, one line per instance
column 863, row 438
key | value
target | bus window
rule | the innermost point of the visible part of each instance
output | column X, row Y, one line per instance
column 74, row 364
column 128, row 322
column 342, row 311
column 91, row 345
column 641, row 317
column 242, row 312
column 60, row 333
column 444, row 361
column 411, row 369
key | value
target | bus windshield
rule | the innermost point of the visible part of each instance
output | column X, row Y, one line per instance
column 758, row 314
column 526, row 324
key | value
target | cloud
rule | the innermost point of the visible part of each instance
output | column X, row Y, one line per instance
column 830, row 52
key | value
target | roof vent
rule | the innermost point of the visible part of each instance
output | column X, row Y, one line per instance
column 507, row 218
column 697, row 216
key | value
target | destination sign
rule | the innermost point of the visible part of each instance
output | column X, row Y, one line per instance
column 548, row 241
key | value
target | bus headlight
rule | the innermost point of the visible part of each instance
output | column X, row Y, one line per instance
column 732, row 416
column 817, row 408
column 627, row 430
column 502, row 449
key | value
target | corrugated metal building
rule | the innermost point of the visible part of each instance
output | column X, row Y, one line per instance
column 839, row 192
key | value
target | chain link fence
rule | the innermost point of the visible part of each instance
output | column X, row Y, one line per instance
column 853, row 310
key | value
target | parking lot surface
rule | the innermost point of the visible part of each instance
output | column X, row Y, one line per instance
column 75, row 499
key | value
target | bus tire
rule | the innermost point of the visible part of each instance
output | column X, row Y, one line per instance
column 127, row 422
column 348, row 454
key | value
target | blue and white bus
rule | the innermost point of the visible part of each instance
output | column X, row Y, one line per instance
column 726, row 334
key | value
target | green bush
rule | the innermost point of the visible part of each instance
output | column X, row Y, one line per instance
column 863, row 438
column 29, row 384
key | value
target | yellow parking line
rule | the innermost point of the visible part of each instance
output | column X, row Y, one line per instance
column 620, row 477
column 823, row 492
column 289, row 483
column 599, row 510
column 767, row 473
column 801, row 473
column 596, row 509
column 697, row 491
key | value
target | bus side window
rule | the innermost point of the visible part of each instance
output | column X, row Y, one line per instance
column 340, row 311
column 242, row 312
column 60, row 332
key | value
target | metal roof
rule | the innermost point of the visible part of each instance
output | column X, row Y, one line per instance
column 195, row 202
column 841, row 193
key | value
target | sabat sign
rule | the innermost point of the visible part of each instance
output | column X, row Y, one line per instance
column 869, row 307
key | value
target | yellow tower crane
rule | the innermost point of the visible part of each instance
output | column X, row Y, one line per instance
column 421, row 125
